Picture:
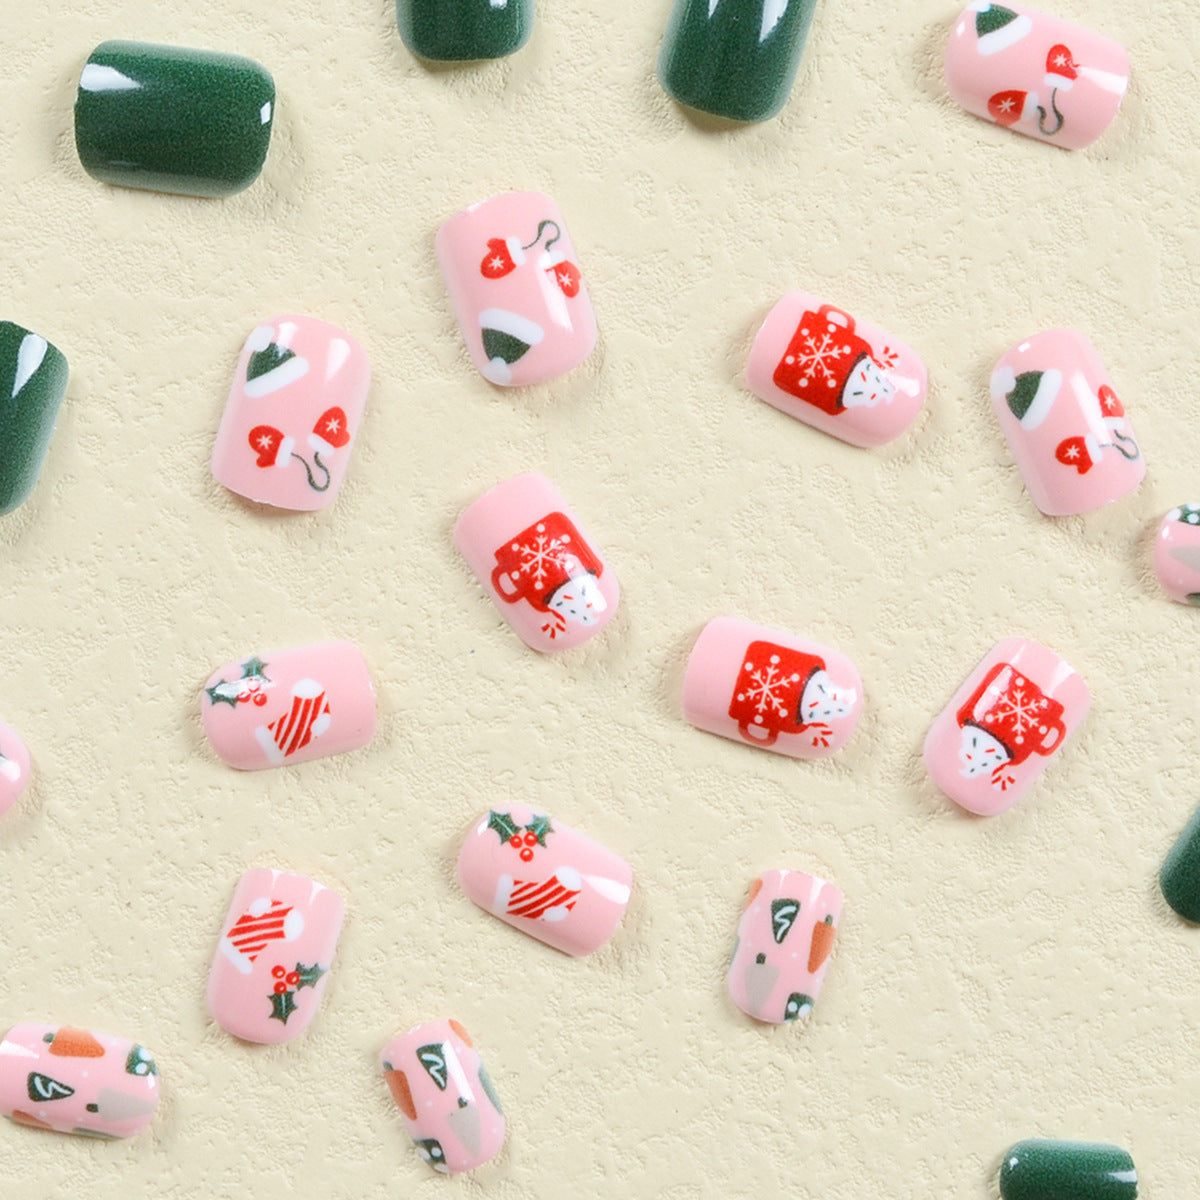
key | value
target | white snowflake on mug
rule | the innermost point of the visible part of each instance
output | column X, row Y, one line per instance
column 1018, row 709
column 542, row 555
column 819, row 356
column 769, row 687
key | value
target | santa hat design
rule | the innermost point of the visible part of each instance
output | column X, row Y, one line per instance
column 998, row 27
column 272, row 363
column 1029, row 396
column 507, row 337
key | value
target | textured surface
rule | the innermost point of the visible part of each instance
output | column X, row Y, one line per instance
column 993, row 979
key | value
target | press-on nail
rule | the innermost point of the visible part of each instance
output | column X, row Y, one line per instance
column 1180, row 874
column 14, row 767
column 33, row 382
column 464, row 30
column 1177, row 554
column 1043, row 1169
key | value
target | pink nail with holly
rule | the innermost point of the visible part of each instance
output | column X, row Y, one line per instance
column 784, row 940
column 769, row 689
column 1177, row 554
column 541, row 569
column 73, row 1081
column 442, row 1089
column 1035, row 74
column 545, row 878
column 292, row 415
column 1003, row 726
column 289, row 707
column 274, row 957
column 14, row 767
column 1065, row 425
column 844, row 377
column 511, row 272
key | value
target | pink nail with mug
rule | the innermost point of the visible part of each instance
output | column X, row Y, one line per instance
column 274, row 956
column 1035, row 74
column 846, row 378
column 1067, row 430
column 1177, row 554
column 769, row 689
column 544, row 878
column 542, row 571
column 14, row 767
column 1004, row 725
column 292, row 415
column 512, row 274
column 289, row 707
column 784, row 940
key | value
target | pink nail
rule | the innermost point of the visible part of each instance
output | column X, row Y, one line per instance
column 292, row 706
column 999, row 732
column 846, row 378
column 770, row 689
column 541, row 569
column 784, row 940
column 513, row 278
column 274, row 956
column 1035, row 74
column 14, row 767
column 1068, row 431
column 449, row 1105
column 292, row 415
column 1177, row 554
column 544, row 878
column 73, row 1081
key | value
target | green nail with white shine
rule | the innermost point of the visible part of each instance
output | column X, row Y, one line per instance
column 1180, row 874
column 464, row 30
column 33, row 382
column 169, row 119
column 1053, row 1170
column 734, row 58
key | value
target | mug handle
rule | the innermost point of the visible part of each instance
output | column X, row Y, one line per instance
column 501, row 583
column 770, row 738
column 837, row 316
column 1059, row 730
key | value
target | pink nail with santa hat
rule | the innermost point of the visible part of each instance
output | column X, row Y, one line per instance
column 274, row 955
column 846, row 378
column 516, row 289
column 14, row 767
column 1067, row 430
column 1003, row 726
column 293, row 413
column 1177, row 554
column 540, row 568
column 1035, row 74
column 290, row 706
column 765, row 688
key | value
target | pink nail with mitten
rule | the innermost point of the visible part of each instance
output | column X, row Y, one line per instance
column 14, row 767
column 289, row 707
column 766, row 688
column 1000, row 731
column 274, row 955
column 541, row 569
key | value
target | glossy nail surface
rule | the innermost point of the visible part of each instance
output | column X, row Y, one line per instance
column 769, row 689
column 1045, row 1169
column 1035, row 74
column 734, row 58
column 849, row 379
column 784, row 940
column 544, row 878
column 514, row 283
column 1004, row 725
column 293, row 413
column 1067, row 430
column 274, row 956
column 1179, row 877
column 289, row 707
column 33, row 382
column 443, row 1091
column 14, row 767
column 541, row 570
column 173, row 120
column 1177, row 554
column 464, row 30
column 73, row 1081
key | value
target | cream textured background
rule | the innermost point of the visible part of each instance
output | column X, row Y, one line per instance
column 994, row 979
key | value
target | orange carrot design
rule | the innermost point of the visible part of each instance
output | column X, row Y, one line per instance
column 822, row 943
column 75, row 1043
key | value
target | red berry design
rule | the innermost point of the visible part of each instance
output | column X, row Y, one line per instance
column 280, row 988
column 293, row 978
column 531, row 838
column 278, row 972
column 515, row 841
column 526, row 854
column 260, row 698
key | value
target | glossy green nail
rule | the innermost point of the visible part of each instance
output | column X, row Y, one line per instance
column 462, row 30
column 173, row 120
column 1053, row 1170
column 1180, row 874
column 734, row 58
column 33, row 381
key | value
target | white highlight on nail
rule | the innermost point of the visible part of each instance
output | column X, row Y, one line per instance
column 96, row 77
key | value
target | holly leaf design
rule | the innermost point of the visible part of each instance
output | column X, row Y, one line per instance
column 254, row 668
column 539, row 827
column 309, row 975
column 262, row 361
column 503, row 824
column 783, row 916
column 433, row 1059
column 222, row 693
column 283, row 1004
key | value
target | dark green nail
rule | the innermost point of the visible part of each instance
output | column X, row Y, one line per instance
column 33, row 381
column 1180, row 874
column 462, row 30
column 734, row 58
column 1052, row 1170
column 173, row 120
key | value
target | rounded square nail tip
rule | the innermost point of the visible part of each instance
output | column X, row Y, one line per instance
column 464, row 31
column 1177, row 554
